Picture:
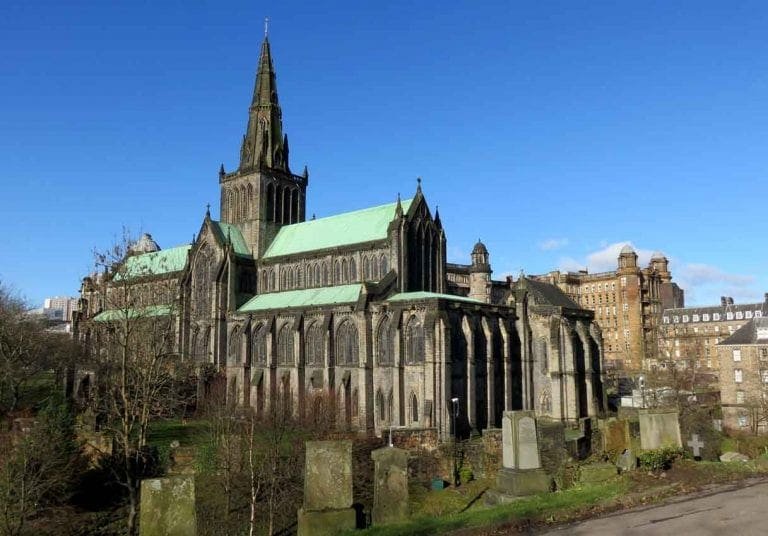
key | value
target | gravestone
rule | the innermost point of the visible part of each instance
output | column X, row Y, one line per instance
column 182, row 460
column 615, row 435
column 627, row 461
column 168, row 507
column 521, row 473
column 327, row 489
column 659, row 429
column 390, row 485
column 696, row 445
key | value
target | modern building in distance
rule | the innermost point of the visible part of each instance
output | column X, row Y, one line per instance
column 627, row 303
column 60, row 308
column 743, row 360
column 689, row 335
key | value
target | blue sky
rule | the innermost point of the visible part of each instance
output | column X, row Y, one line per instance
column 555, row 131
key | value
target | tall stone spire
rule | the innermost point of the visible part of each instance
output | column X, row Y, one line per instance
column 264, row 145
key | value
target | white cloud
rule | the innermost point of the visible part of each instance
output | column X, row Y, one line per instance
column 553, row 244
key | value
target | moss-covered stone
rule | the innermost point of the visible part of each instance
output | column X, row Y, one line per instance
column 327, row 522
column 168, row 507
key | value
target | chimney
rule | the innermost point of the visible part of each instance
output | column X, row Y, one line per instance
column 765, row 297
column 730, row 300
column 723, row 301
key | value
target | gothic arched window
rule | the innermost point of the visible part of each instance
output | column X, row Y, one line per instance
column 314, row 345
column 270, row 202
column 285, row 346
column 352, row 270
column 259, row 344
column 326, row 275
column 347, row 347
column 366, row 269
column 414, row 408
column 337, row 272
column 414, row 341
column 235, row 355
column 345, row 271
column 385, row 343
column 318, row 279
column 383, row 266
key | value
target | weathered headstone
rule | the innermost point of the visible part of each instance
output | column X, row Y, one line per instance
column 521, row 472
column 658, row 429
column 327, row 506
column 168, row 507
column 627, row 461
column 390, row 485
column 696, row 445
column 182, row 460
column 615, row 435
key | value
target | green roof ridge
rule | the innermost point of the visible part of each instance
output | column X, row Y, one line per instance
column 130, row 313
column 359, row 226
column 235, row 237
column 160, row 262
column 310, row 297
column 424, row 295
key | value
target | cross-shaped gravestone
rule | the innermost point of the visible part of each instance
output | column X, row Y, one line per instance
column 696, row 445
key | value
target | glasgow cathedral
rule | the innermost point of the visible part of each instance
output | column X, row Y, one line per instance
column 361, row 306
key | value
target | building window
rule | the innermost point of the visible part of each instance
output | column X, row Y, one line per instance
column 740, row 397
column 414, row 341
column 743, row 421
column 285, row 346
column 675, row 319
column 737, row 354
column 738, row 375
column 695, row 318
column 347, row 346
column 748, row 314
column 259, row 345
column 625, row 307
column 314, row 345
column 666, row 320
column 764, row 376
column 623, row 281
column 729, row 315
column 739, row 315
column 685, row 319
column 763, row 354
column 715, row 316
column 705, row 317
column 758, row 314
column 385, row 343
column 414, row 408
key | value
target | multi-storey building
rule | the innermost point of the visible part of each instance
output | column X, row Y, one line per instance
column 60, row 308
column 743, row 360
column 627, row 304
column 689, row 335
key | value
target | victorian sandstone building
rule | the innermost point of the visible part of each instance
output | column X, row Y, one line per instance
column 360, row 306
column 627, row 303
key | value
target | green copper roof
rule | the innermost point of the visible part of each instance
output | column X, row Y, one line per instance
column 112, row 315
column 160, row 262
column 310, row 297
column 238, row 242
column 341, row 230
column 421, row 295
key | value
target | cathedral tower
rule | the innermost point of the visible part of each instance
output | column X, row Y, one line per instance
column 480, row 274
column 262, row 194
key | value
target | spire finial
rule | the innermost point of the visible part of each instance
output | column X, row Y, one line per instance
column 207, row 210
column 418, row 184
column 266, row 26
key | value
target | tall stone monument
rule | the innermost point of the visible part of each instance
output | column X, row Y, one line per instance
column 327, row 506
column 390, row 485
column 521, row 473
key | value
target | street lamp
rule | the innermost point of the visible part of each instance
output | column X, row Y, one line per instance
column 455, row 404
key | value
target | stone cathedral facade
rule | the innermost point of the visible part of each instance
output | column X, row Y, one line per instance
column 360, row 306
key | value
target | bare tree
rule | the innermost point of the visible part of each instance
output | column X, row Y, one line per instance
column 133, row 353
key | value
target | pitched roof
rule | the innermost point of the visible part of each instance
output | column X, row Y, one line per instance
column 160, row 262
column 356, row 227
column 227, row 230
column 721, row 309
column 548, row 294
column 310, row 297
column 422, row 295
column 111, row 315
column 753, row 332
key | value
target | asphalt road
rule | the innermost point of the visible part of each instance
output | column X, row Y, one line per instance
column 737, row 510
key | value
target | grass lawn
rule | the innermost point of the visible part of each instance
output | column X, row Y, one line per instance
column 191, row 433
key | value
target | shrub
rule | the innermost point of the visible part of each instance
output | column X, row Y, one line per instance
column 659, row 459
